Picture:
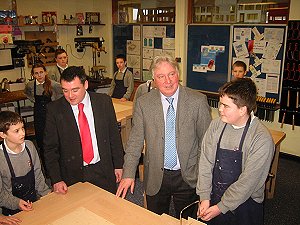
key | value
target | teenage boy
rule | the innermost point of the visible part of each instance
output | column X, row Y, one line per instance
column 239, row 69
column 237, row 151
column 122, row 83
column 22, row 181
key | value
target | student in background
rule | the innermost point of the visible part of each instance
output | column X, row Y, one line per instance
column 143, row 89
column 41, row 91
column 239, row 69
column 122, row 83
column 22, row 181
column 61, row 58
column 236, row 155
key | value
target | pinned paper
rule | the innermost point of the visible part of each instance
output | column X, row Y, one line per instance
column 240, row 49
column 257, row 35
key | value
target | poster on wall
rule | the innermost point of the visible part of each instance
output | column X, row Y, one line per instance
column 208, row 58
column 262, row 52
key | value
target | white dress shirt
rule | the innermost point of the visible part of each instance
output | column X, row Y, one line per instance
column 88, row 111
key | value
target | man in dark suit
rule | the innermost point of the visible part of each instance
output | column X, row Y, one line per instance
column 151, row 119
column 66, row 129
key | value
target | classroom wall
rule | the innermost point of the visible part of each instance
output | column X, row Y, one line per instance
column 66, row 34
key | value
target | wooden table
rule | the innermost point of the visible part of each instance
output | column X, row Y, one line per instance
column 13, row 96
column 278, row 137
column 124, row 115
column 87, row 204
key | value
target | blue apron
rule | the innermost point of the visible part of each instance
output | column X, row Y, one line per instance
column 119, row 90
column 227, row 169
column 23, row 187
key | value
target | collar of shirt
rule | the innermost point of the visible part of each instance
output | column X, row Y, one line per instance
column 38, row 83
column 252, row 118
column 165, row 102
column 62, row 67
column 9, row 150
column 123, row 71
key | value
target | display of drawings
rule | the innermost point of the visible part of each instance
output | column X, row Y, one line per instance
column 156, row 40
column 261, row 48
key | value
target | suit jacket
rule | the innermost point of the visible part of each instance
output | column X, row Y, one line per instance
column 62, row 144
column 192, row 119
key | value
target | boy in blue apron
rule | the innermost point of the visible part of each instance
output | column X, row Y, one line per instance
column 122, row 83
column 22, row 181
column 236, row 155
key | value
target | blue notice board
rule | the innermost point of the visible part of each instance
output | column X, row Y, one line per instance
column 208, row 56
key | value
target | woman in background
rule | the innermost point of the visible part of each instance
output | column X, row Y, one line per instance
column 41, row 91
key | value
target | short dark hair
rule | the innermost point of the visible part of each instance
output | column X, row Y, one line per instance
column 121, row 56
column 242, row 91
column 60, row 51
column 8, row 118
column 72, row 72
column 240, row 64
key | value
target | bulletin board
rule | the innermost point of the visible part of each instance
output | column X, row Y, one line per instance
column 262, row 49
column 141, row 43
column 208, row 56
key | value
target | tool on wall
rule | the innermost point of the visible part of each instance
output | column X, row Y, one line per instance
column 289, row 105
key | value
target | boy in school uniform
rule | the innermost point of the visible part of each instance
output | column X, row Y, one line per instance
column 237, row 151
column 239, row 70
column 22, row 181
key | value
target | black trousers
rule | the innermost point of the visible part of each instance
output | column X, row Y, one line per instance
column 97, row 175
column 173, row 186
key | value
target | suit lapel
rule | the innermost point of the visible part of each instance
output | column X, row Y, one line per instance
column 69, row 118
column 182, row 109
column 158, row 113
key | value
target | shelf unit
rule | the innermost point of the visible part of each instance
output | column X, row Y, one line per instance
column 46, row 52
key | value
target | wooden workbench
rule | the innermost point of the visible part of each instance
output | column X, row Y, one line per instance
column 278, row 137
column 87, row 204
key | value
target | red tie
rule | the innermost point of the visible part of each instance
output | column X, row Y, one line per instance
column 85, row 135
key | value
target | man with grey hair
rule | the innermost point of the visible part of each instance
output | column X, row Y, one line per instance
column 172, row 121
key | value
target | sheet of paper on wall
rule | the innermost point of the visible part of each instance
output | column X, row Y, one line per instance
column 240, row 49
column 208, row 58
column 133, row 61
column 261, row 86
column 257, row 61
column 137, row 73
column 274, row 34
column 148, row 53
column 257, row 35
column 148, row 31
column 271, row 66
column 137, row 33
column 272, row 83
column 169, row 52
column 133, row 47
column 245, row 60
column 272, row 50
column 146, row 64
column 148, row 42
column 259, row 47
column 199, row 68
column 160, row 31
column 254, row 73
column 157, row 52
column 168, row 43
column 242, row 34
